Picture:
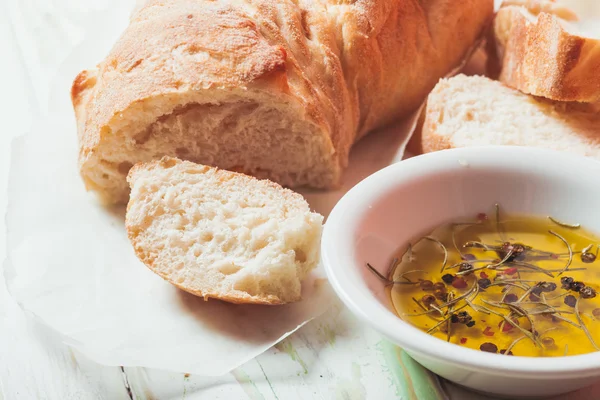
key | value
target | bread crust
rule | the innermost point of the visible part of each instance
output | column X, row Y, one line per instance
column 346, row 67
column 543, row 58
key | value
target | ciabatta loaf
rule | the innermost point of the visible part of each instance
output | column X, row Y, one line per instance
column 276, row 89
column 476, row 111
column 221, row 234
column 547, row 49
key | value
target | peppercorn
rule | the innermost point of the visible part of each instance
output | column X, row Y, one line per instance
column 426, row 285
column 577, row 286
column 518, row 251
column 459, row 283
column 570, row 300
column 471, row 324
column 428, row 300
column 547, row 341
column 587, row 292
column 503, row 351
column 534, row 297
column 465, row 267
column 448, row 278
column 566, row 282
column 588, row 257
column 439, row 286
column 469, row 257
column 463, row 317
column 454, row 318
column 537, row 290
column 511, row 298
column 547, row 286
column 440, row 295
column 484, row 283
column 489, row 347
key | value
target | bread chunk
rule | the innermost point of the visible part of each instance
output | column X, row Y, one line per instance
column 221, row 234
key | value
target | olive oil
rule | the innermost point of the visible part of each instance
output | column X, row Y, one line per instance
column 520, row 285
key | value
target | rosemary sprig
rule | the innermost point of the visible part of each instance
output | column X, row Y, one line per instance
column 442, row 247
column 471, row 262
column 564, row 224
column 568, row 248
column 510, row 347
column 453, row 234
column 391, row 282
column 419, row 304
column 506, row 283
column 583, row 327
column 449, row 311
column 439, row 323
column 473, row 289
column 480, row 245
column 500, row 231
column 510, row 321
column 532, row 267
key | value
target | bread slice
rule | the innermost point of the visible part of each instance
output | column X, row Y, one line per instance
column 473, row 111
column 546, row 49
column 221, row 234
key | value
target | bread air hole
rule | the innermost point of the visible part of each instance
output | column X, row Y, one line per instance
column 229, row 269
column 299, row 255
column 124, row 167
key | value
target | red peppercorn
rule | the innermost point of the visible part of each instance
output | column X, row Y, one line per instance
column 510, row 271
column 463, row 340
column 483, row 275
column 459, row 283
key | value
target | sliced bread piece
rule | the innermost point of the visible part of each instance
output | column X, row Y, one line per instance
column 221, row 234
column 472, row 110
column 548, row 48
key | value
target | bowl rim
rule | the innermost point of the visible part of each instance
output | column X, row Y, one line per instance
column 338, row 233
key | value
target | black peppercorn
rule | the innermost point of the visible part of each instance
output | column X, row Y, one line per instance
column 463, row 317
column 588, row 257
column 489, row 347
column 448, row 278
column 587, row 292
column 570, row 300
column 537, row 290
column 471, row 324
column 518, row 251
column 511, row 298
column 566, row 282
column 428, row 300
column 577, row 286
column 503, row 351
column 547, row 286
column 465, row 267
column 484, row 283
column 454, row 318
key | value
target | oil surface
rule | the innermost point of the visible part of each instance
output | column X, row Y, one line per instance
column 556, row 329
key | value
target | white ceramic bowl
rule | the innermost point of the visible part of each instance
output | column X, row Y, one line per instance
column 410, row 198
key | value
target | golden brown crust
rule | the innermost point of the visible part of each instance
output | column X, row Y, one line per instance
column 349, row 67
column 542, row 58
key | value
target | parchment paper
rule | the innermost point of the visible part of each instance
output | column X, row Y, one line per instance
column 71, row 265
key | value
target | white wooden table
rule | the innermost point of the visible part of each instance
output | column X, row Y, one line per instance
column 333, row 357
